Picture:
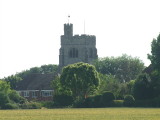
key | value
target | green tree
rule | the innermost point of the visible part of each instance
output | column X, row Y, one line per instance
column 108, row 83
column 143, row 87
column 4, row 87
column 155, row 66
column 155, row 54
column 80, row 78
column 155, row 82
column 13, row 80
column 124, row 68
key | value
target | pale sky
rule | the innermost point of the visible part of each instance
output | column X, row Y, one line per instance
column 30, row 30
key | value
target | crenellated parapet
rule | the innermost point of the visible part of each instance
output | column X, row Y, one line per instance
column 79, row 39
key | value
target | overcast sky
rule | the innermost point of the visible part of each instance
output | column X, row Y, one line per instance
column 30, row 30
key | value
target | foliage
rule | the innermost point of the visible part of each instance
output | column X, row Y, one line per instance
column 80, row 78
column 4, row 99
column 107, row 83
column 14, row 96
column 63, row 100
column 155, row 83
column 4, row 87
column 57, row 86
column 13, row 80
column 154, row 102
column 129, row 101
column 107, row 99
column 47, row 104
column 110, row 83
column 97, row 101
column 44, row 69
column 31, row 105
column 142, row 88
column 90, row 102
column 130, row 86
column 9, row 99
column 155, row 54
column 124, row 68
column 11, row 106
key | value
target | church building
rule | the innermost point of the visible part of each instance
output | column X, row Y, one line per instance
column 76, row 48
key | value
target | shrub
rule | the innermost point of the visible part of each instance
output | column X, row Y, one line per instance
column 31, row 105
column 11, row 106
column 63, row 100
column 155, row 102
column 118, row 103
column 89, row 102
column 107, row 99
column 14, row 96
column 129, row 101
column 4, row 99
column 97, row 101
column 79, row 103
column 47, row 104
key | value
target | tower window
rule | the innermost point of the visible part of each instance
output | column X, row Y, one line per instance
column 73, row 53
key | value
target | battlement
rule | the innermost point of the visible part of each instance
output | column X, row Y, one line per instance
column 68, row 30
column 84, row 36
column 79, row 39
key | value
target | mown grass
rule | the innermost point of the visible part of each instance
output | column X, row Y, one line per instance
column 82, row 114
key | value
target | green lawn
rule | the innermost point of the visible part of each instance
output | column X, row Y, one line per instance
column 82, row 114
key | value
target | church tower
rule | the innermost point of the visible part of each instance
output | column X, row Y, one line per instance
column 77, row 48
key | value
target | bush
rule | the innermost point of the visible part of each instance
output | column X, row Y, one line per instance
column 14, row 96
column 97, row 101
column 63, row 100
column 118, row 103
column 11, row 106
column 89, row 102
column 107, row 99
column 129, row 101
column 47, row 104
column 155, row 102
column 4, row 99
column 79, row 103
column 31, row 105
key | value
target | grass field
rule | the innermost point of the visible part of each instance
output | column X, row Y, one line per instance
column 82, row 114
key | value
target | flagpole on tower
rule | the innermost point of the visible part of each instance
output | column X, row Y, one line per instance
column 84, row 26
column 68, row 18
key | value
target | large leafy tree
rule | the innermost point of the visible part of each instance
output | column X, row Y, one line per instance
column 124, row 68
column 80, row 78
column 155, row 64
column 155, row 53
column 143, row 88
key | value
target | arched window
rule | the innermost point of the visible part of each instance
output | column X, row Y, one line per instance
column 73, row 53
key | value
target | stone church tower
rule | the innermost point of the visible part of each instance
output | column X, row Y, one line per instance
column 77, row 48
